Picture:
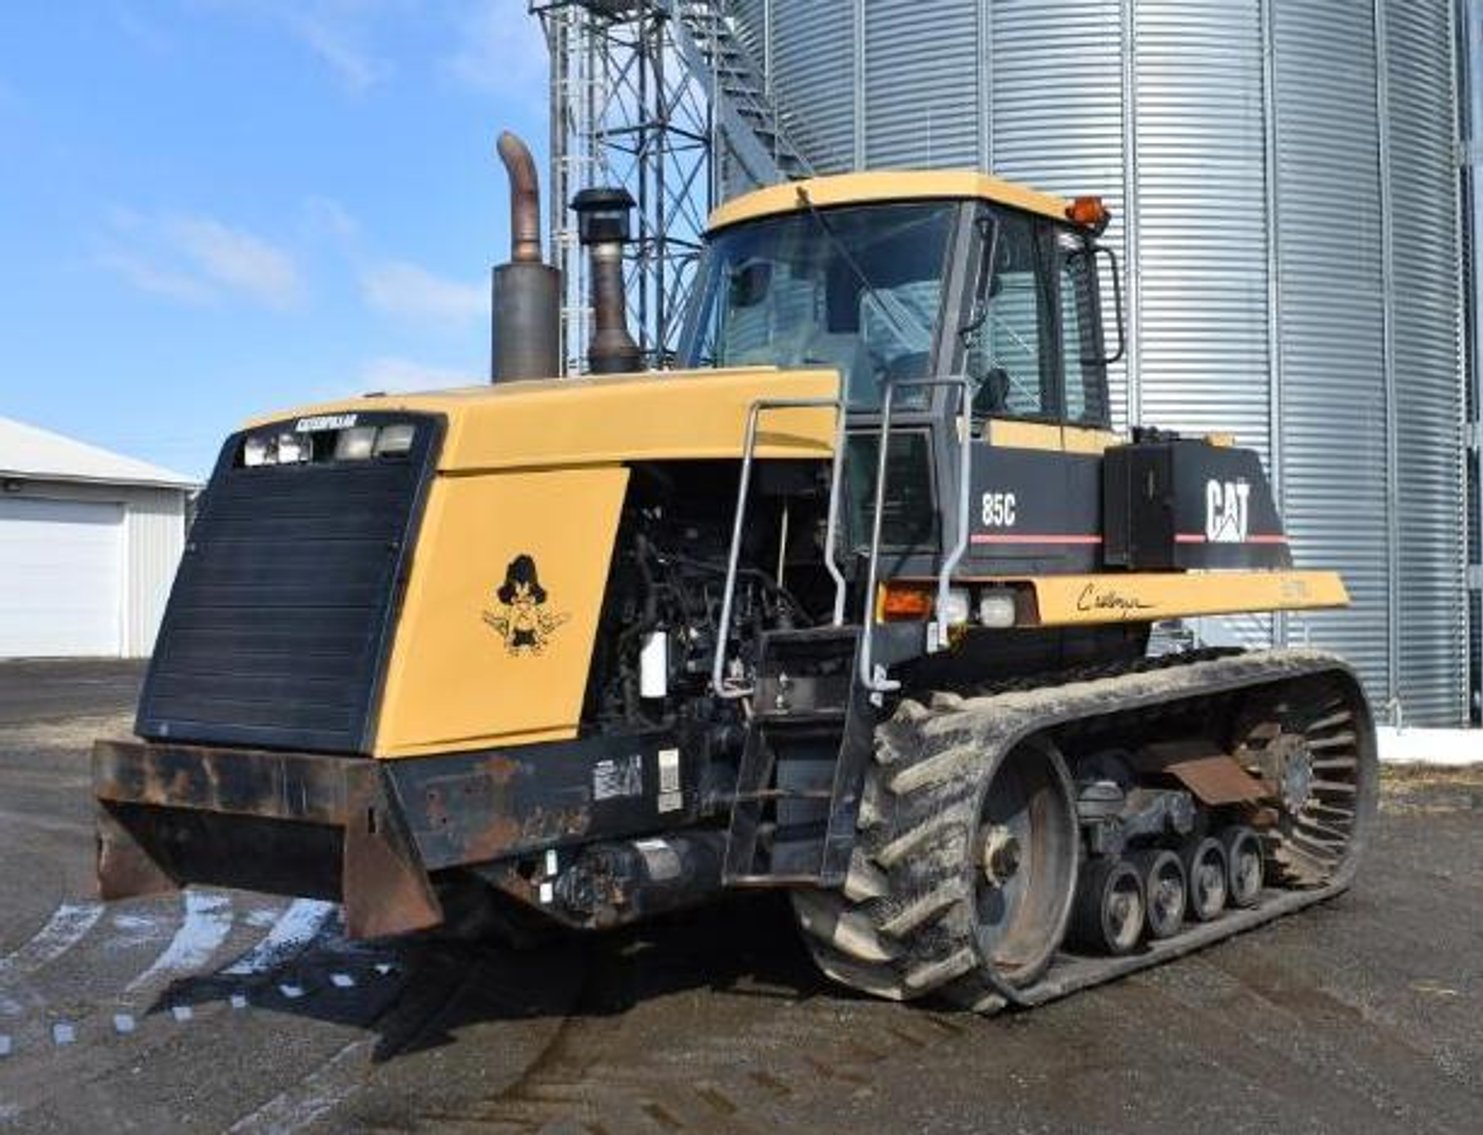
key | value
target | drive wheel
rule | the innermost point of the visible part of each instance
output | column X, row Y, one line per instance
column 1163, row 891
column 1110, row 907
column 965, row 869
column 1314, row 742
column 1205, row 878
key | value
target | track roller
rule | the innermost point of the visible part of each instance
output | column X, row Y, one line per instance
column 1207, row 881
column 1109, row 914
column 1243, row 864
column 1163, row 890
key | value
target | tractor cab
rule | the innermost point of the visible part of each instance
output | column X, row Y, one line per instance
column 903, row 277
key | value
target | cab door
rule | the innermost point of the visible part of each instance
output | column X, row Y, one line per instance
column 1033, row 357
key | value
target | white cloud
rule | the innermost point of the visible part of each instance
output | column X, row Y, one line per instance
column 500, row 50
column 326, row 217
column 339, row 41
column 199, row 259
column 397, row 375
column 147, row 277
column 238, row 260
column 338, row 32
column 410, row 292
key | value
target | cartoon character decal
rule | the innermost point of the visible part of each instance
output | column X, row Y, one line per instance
column 519, row 618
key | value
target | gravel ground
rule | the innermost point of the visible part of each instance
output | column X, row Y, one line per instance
column 231, row 1012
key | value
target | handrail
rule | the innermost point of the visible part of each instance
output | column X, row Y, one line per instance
column 879, row 683
column 733, row 556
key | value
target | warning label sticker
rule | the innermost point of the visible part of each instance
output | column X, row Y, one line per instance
column 618, row 776
column 670, row 797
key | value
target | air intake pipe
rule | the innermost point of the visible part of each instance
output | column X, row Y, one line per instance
column 525, row 333
column 603, row 228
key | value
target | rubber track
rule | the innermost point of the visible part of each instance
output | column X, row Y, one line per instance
column 904, row 928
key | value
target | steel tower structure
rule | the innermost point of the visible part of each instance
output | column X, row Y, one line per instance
column 662, row 98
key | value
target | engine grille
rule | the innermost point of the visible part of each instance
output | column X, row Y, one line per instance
column 280, row 617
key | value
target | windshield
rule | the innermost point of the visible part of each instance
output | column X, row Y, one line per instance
column 856, row 288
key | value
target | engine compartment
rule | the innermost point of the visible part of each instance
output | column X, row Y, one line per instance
column 661, row 610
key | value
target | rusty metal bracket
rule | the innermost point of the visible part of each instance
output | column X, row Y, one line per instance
column 386, row 890
column 296, row 807
column 125, row 867
column 1213, row 775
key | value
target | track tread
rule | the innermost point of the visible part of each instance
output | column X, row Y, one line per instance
column 921, row 814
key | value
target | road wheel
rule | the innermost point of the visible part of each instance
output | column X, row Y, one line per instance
column 1110, row 906
column 1163, row 890
column 1244, row 868
column 1206, row 878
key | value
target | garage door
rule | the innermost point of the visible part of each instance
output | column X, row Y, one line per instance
column 61, row 564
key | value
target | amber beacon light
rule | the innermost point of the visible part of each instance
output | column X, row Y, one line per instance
column 1089, row 212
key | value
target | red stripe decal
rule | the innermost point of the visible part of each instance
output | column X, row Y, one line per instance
column 1029, row 538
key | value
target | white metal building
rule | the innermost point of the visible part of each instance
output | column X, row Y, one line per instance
column 89, row 542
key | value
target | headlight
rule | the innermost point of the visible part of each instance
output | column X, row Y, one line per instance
column 954, row 608
column 355, row 444
column 391, row 440
column 996, row 608
column 337, row 437
column 294, row 448
column 259, row 449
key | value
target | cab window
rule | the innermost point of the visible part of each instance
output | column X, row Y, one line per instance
column 1035, row 348
column 1081, row 334
column 857, row 288
column 1007, row 357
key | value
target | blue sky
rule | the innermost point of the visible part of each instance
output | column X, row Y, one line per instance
column 210, row 208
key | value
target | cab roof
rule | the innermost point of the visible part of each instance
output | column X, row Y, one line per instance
column 885, row 185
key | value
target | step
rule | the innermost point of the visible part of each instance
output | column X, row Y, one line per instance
column 799, row 717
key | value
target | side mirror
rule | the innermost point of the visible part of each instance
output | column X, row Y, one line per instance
column 1088, row 256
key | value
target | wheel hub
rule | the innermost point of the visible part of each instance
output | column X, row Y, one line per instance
column 1210, row 877
column 1168, row 894
column 1001, row 856
column 1288, row 763
column 1297, row 778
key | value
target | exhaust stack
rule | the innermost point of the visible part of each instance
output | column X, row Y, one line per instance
column 603, row 228
column 525, row 333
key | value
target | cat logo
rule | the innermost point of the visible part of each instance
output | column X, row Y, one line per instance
column 520, row 618
column 1227, row 515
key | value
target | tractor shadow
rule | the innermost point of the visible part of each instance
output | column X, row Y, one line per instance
column 419, row 992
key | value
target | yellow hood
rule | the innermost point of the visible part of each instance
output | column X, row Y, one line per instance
column 654, row 416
